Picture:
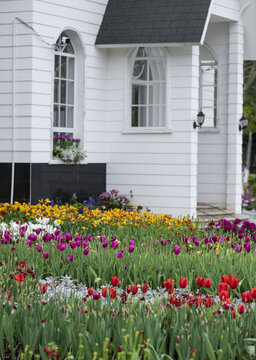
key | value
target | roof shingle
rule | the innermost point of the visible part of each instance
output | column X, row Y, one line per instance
column 153, row 21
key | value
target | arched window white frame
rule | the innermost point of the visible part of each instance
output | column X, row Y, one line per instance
column 148, row 88
column 68, row 101
column 208, row 86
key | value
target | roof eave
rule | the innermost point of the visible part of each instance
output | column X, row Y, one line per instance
column 207, row 21
column 114, row 46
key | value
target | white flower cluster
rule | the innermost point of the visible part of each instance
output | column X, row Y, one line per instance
column 73, row 155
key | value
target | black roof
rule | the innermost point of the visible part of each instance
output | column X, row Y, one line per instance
column 153, row 21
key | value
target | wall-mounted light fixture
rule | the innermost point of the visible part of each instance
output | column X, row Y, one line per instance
column 62, row 43
column 243, row 123
column 200, row 120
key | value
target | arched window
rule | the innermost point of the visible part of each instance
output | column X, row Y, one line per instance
column 69, row 73
column 148, row 100
column 64, row 86
column 208, row 86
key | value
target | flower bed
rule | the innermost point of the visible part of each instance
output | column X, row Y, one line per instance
column 80, row 283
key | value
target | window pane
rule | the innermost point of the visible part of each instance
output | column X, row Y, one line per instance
column 56, row 66
column 55, row 116
column 139, row 95
column 63, row 67
column 157, row 70
column 70, row 118
column 70, row 92
column 56, row 91
column 140, row 70
column 71, row 68
column 156, row 116
column 139, row 116
column 62, row 116
column 157, row 93
column 63, row 92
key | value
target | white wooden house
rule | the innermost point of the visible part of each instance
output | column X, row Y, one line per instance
column 128, row 78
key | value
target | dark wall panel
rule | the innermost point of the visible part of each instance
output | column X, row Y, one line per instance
column 60, row 182
column 56, row 182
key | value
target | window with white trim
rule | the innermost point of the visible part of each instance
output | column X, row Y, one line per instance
column 148, row 83
column 208, row 87
column 64, row 86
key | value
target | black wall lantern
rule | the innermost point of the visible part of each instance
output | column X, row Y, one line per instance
column 200, row 120
column 243, row 123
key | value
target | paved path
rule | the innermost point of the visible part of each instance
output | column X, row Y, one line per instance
column 208, row 212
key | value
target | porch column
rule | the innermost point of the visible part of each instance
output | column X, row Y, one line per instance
column 235, row 109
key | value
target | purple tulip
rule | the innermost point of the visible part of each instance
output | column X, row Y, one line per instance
column 46, row 255
column 86, row 251
column 62, row 247
column 70, row 257
column 105, row 244
column 131, row 248
column 120, row 255
column 248, row 247
column 72, row 245
column 239, row 249
column 114, row 244
column 176, row 250
column 39, row 248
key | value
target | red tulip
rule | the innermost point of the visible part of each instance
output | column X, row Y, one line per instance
column 43, row 288
column 168, row 283
column 90, row 291
column 114, row 280
column 96, row 296
column 241, row 309
column 183, row 282
column 253, row 293
column 225, row 279
column 208, row 302
column 234, row 282
column 134, row 289
column 112, row 293
column 223, row 295
column 200, row 281
column 227, row 304
column 144, row 288
column 247, row 297
column 207, row 283
column 233, row 314
column 223, row 286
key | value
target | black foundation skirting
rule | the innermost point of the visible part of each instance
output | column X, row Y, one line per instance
column 57, row 182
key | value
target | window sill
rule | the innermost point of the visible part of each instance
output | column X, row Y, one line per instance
column 56, row 161
column 208, row 130
column 146, row 131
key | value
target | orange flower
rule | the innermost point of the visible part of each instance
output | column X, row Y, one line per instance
column 19, row 278
column 112, row 293
column 105, row 292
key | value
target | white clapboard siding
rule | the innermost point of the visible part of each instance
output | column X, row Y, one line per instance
column 160, row 169
column 212, row 146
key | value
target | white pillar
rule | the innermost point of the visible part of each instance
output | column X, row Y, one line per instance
column 235, row 109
